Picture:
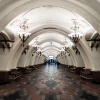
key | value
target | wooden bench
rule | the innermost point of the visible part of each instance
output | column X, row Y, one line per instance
column 14, row 74
column 25, row 70
column 77, row 70
column 70, row 67
column 86, row 74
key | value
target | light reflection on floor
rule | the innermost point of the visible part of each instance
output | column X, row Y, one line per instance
column 50, row 83
column 50, row 69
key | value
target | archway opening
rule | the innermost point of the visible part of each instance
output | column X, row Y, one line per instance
column 51, row 59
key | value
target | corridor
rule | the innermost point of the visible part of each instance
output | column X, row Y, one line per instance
column 50, row 82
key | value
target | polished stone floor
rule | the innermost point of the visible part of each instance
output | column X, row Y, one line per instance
column 50, row 83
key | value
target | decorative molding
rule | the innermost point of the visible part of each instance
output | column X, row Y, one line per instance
column 48, row 6
column 98, row 1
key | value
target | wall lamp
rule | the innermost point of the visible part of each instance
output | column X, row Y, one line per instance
column 95, row 42
column 23, row 25
column 25, row 50
column 5, row 43
column 66, row 50
column 76, row 50
column 23, row 37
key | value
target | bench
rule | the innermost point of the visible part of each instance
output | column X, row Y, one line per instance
column 77, row 70
column 86, row 74
column 25, row 70
column 14, row 74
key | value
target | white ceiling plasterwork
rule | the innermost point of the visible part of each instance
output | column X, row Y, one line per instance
column 33, row 18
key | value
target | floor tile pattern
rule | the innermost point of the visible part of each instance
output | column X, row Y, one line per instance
column 50, row 83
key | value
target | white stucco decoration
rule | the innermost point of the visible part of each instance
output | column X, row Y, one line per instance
column 98, row 1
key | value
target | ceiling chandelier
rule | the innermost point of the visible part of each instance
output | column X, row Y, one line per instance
column 23, row 26
column 76, row 36
column 23, row 35
column 65, row 44
column 36, row 43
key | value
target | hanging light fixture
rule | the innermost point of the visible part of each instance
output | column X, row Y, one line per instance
column 23, row 26
column 25, row 50
column 23, row 35
column 65, row 44
column 76, row 36
column 36, row 44
column 35, row 49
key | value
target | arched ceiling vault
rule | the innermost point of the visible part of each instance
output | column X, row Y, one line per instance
column 50, row 39
column 48, row 48
column 21, row 6
column 39, row 16
column 46, row 45
column 55, row 37
column 55, row 50
column 51, row 49
column 47, row 36
column 48, row 53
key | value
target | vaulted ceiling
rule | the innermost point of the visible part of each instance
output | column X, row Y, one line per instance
column 51, row 16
